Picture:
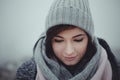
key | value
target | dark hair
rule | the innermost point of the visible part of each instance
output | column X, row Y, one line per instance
column 53, row 31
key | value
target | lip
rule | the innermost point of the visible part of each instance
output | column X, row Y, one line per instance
column 70, row 58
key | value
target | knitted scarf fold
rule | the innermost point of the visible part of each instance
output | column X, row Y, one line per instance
column 51, row 70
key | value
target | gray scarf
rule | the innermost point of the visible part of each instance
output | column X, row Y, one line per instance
column 52, row 70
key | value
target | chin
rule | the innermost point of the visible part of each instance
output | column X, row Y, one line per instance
column 70, row 64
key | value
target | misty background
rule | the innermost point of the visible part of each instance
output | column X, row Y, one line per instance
column 22, row 22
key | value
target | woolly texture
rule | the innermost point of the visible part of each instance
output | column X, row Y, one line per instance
column 51, row 70
column 72, row 12
column 104, row 71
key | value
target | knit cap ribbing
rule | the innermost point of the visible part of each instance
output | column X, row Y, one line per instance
column 72, row 12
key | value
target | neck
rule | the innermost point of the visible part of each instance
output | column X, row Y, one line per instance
column 77, row 68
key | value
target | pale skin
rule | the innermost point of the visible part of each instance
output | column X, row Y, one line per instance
column 70, row 45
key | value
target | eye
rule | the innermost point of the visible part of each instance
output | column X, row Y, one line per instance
column 58, row 41
column 78, row 40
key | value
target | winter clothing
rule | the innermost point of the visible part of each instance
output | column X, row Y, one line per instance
column 28, row 70
column 72, row 12
column 104, row 69
column 102, row 65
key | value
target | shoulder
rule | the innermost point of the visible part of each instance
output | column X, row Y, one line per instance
column 27, row 70
column 117, row 56
column 112, row 58
column 110, row 53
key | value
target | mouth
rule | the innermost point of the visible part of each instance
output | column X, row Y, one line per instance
column 70, row 58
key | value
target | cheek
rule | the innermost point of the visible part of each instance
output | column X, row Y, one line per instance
column 57, row 48
column 81, row 48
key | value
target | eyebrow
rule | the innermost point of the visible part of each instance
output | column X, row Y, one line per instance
column 72, row 37
column 58, row 36
column 78, row 35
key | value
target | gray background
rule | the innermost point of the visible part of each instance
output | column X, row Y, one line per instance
column 22, row 21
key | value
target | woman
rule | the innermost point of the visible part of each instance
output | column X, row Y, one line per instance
column 68, row 49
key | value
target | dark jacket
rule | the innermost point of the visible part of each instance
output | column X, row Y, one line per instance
column 28, row 70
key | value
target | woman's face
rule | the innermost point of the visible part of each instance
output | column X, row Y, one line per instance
column 70, row 45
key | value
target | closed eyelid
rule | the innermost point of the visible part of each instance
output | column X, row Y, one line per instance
column 80, row 37
column 57, row 38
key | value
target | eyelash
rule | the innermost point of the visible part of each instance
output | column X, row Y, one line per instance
column 58, row 41
column 76, row 40
column 79, row 40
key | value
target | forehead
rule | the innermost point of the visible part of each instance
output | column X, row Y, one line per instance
column 71, row 32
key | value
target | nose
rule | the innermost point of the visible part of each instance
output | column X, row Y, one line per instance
column 69, row 49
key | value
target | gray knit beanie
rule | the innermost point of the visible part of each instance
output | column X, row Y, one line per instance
column 72, row 12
